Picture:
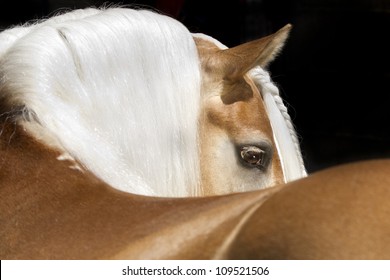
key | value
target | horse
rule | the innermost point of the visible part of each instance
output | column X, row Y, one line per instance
column 147, row 106
column 125, row 136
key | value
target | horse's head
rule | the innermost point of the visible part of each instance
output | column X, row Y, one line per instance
column 147, row 106
column 238, row 151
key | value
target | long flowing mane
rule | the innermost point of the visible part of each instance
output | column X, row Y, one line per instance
column 109, row 85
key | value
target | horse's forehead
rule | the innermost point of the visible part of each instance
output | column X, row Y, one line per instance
column 241, row 118
column 255, row 110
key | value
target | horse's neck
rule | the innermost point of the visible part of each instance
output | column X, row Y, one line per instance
column 72, row 214
column 33, row 168
column 40, row 196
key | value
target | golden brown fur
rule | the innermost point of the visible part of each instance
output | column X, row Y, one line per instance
column 340, row 213
column 49, row 211
column 45, row 215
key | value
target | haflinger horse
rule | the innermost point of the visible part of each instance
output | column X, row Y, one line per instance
column 124, row 136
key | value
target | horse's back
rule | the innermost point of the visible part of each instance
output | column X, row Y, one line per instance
column 339, row 213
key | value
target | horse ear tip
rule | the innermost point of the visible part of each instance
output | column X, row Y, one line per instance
column 287, row 27
column 284, row 32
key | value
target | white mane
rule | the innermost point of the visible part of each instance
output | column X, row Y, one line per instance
column 109, row 85
column 10, row 36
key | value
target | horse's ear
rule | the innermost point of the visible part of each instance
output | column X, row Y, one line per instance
column 239, row 60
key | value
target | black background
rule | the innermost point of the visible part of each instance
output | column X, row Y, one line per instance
column 333, row 73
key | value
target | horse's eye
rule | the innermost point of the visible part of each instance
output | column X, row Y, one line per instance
column 253, row 156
